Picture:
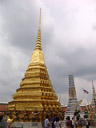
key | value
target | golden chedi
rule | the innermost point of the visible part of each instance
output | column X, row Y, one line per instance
column 36, row 96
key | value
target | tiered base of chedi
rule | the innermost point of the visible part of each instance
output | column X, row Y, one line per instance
column 73, row 104
column 36, row 96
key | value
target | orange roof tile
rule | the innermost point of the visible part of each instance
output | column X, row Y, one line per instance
column 3, row 107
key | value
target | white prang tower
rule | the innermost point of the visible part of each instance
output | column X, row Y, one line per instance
column 93, row 96
column 73, row 104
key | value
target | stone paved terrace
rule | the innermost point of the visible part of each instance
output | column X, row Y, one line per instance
column 39, row 125
column 31, row 125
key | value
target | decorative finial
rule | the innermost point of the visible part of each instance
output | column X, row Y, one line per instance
column 92, row 84
column 93, row 88
column 38, row 41
column 70, row 73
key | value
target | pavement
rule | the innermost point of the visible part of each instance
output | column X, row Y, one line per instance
column 89, row 127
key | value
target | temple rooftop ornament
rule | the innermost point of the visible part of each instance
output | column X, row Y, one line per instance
column 36, row 96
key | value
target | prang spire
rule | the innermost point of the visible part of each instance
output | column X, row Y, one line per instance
column 93, row 87
column 38, row 41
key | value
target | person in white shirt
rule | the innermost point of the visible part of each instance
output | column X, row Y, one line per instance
column 46, row 122
column 57, row 123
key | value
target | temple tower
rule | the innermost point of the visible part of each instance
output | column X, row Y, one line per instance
column 73, row 103
column 93, row 96
column 36, row 96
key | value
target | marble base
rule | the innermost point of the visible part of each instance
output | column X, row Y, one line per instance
column 72, row 106
column 32, row 125
column 26, row 125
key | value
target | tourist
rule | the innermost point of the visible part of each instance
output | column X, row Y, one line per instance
column 46, row 122
column 78, row 123
column 73, row 122
column 87, row 123
column 57, row 123
column 4, row 120
column 53, row 120
column 68, row 122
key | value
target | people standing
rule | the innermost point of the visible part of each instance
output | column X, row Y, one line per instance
column 78, row 123
column 72, row 122
column 57, row 123
column 87, row 123
column 46, row 122
column 68, row 122
column 53, row 120
column 4, row 120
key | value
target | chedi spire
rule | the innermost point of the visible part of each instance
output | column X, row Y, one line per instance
column 38, row 41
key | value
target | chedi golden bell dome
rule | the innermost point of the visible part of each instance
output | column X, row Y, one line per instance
column 36, row 94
